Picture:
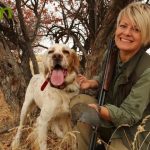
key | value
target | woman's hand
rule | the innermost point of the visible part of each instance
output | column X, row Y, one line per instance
column 83, row 82
column 102, row 111
column 96, row 107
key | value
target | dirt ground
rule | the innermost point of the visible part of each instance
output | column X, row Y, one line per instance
column 8, row 131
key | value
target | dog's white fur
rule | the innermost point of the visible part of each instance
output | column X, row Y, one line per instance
column 53, row 102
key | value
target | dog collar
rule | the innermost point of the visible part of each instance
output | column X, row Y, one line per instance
column 48, row 81
column 45, row 84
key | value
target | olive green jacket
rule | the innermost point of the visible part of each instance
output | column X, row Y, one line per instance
column 128, row 100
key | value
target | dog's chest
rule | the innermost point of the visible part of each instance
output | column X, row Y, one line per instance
column 57, row 97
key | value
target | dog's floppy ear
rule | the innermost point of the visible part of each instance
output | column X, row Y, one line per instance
column 45, row 68
column 74, row 60
column 46, row 71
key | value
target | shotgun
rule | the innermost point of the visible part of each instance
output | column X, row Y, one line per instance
column 106, row 78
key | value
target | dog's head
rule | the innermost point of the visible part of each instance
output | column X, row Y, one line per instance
column 59, row 62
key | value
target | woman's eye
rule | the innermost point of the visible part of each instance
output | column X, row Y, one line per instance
column 122, row 26
column 136, row 29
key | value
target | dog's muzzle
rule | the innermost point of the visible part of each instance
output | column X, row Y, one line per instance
column 57, row 59
column 57, row 76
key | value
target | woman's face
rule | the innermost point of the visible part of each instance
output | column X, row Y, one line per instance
column 127, row 36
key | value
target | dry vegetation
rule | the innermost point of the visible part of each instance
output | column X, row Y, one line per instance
column 6, row 116
column 7, row 132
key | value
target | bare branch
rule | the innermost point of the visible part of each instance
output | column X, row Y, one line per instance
column 40, row 45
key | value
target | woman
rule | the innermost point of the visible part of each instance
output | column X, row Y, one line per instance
column 128, row 98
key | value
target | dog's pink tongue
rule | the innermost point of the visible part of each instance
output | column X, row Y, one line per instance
column 57, row 77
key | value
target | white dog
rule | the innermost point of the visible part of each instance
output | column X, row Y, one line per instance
column 51, row 91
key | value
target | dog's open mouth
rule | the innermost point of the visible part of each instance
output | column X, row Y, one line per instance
column 58, row 74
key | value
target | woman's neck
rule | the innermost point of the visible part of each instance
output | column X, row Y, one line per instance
column 126, row 56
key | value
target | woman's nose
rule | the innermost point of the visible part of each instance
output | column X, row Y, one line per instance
column 127, row 31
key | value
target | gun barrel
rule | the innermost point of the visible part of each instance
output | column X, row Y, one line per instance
column 107, row 76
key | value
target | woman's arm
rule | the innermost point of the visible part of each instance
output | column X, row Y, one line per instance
column 133, row 107
column 86, row 83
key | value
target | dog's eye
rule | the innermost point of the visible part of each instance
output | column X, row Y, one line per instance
column 50, row 52
column 66, row 52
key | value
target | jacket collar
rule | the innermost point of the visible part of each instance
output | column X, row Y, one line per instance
column 129, row 67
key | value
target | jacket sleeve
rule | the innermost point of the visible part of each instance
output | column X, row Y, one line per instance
column 133, row 107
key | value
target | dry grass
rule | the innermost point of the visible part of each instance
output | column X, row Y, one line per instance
column 28, row 141
column 6, row 118
column 141, row 139
column 54, row 143
column 67, row 143
column 143, row 129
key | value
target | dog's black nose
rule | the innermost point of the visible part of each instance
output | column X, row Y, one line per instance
column 57, row 57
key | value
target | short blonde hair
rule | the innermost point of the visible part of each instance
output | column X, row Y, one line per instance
column 139, row 14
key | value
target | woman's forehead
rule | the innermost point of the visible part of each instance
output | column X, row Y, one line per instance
column 128, row 20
